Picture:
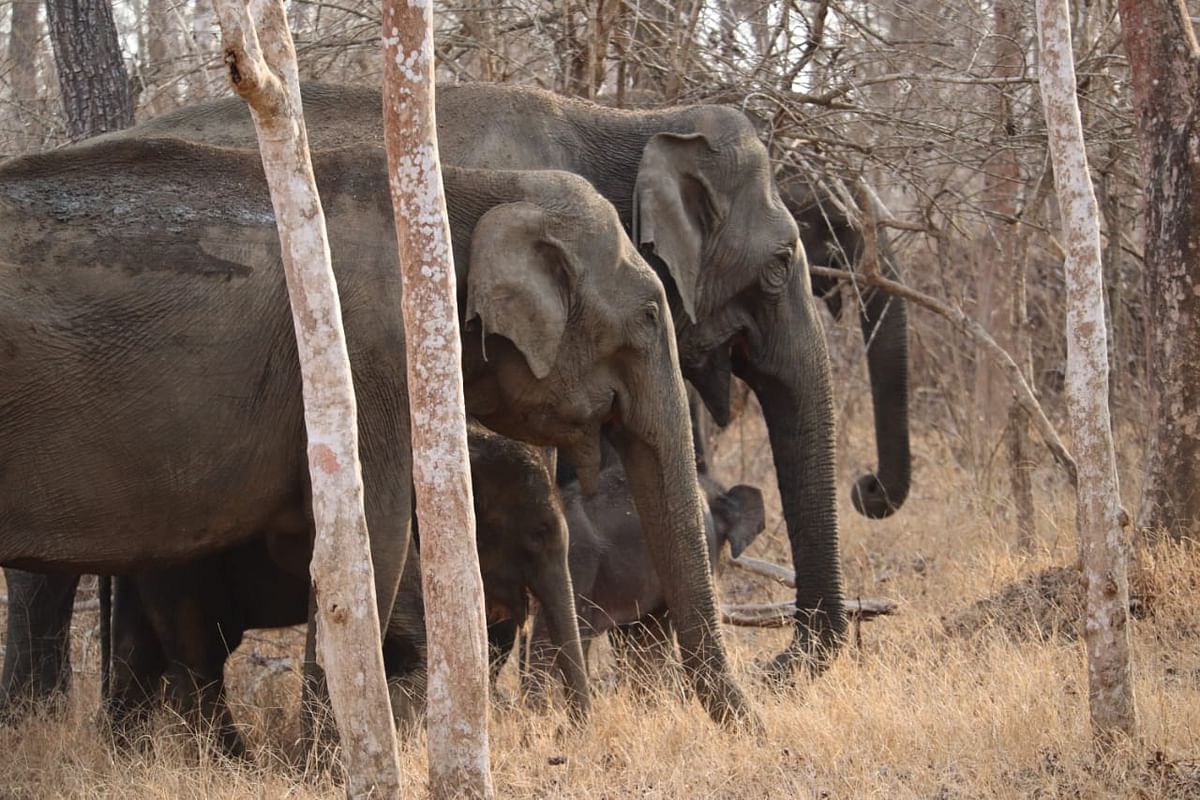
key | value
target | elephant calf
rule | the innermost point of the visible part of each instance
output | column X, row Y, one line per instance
column 611, row 568
column 181, row 623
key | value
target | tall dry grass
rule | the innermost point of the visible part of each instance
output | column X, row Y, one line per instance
column 973, row 690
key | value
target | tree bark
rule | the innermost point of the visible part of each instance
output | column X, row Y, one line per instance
column 262, row 66
column 160, row 47
column 457, row 716
column 22, row 61
column 995, row 278
column 91, row 72
column 1103, row 548
column 1164, row 60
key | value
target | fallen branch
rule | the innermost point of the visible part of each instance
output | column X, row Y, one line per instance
column 780, row 615
column 766, row 569
column 958, row 317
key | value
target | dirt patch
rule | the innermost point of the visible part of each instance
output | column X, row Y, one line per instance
column 1042, row 606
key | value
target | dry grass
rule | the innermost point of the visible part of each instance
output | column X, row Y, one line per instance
column 975, row 689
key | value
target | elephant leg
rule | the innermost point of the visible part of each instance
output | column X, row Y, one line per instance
column 551, row 584
column 501, row 636
column 137, row 663
column 645, row 652
column 37, row 658
column 195, row 616
column 404, row 652
column 538, row 666
column 199, row 696
column 316, row 717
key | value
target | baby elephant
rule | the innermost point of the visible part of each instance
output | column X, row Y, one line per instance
column 181, row 623
column 615, row 580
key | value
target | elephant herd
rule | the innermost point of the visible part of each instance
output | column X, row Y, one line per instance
column 151, row 424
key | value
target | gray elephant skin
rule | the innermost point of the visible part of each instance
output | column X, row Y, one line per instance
column 181, row 623
column 830, row 239
column 615, row 581
column 694, row 187
column 150, row 392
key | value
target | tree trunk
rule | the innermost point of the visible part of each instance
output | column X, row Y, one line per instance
column 1002, row 182
column 457, row 721
column 22, row 61
column 204, row 48
column 91, row 72
column 1164, row 60
column 262, row 67
column 160, row 47
column 1099, row 516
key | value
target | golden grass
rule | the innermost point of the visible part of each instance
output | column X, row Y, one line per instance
column 950, row 698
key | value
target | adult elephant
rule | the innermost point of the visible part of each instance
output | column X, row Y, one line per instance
column 181, row 623
column 830, row 239
column 694, row 187
column 150, row 391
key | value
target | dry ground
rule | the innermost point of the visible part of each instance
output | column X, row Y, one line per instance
column 976, row 689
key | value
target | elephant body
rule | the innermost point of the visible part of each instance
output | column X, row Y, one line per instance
column 614, row 578
column 693, row 185
column 181, row 623
column 149, row 386
column 150, row 399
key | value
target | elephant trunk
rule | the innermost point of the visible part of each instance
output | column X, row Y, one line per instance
column 552, row 587
column 788, row 369
column 885, row 332
column 662, row 476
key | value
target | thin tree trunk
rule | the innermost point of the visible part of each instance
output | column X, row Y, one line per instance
column 994, row 280
column 1164, row 60
column 457, row 720
column 203, row 48
column 91, row 72
column 1103, row 550
column 160, row 47
column 22, row 61
column 262, row 67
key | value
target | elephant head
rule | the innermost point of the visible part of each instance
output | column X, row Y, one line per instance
column 831, row 240
column 707, row 209
column 568, row 337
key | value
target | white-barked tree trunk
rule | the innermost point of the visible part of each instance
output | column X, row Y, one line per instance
column 1101, row 522
column 457, row 704
column 261, row 60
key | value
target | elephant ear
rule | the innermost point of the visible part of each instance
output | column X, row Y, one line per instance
column 673, row 208
column 741, row 514
column 518, row 284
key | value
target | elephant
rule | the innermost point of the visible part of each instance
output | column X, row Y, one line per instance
column 182, row 622
column 830, row 239
column 693, row 186
column 616, row 588
column 614, row 579
column 164, row 362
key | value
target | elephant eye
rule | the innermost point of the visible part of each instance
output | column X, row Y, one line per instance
column 650, row 314
column 778, row 271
